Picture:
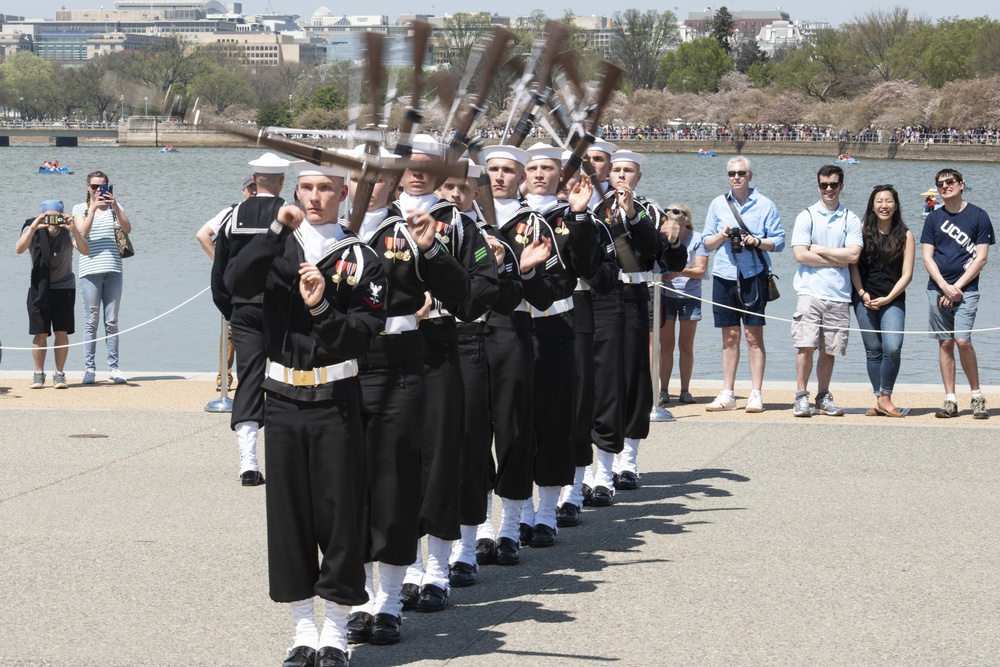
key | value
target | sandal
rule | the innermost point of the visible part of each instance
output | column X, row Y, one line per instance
column 874, row 412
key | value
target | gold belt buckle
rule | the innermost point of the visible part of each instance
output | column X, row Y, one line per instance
column 303, row 378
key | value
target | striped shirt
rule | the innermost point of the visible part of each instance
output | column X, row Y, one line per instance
column 104, row 256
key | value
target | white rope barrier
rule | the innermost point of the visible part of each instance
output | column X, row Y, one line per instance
column 666, row 287
column 124, row 331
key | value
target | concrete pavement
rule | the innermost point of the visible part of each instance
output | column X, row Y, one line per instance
column 754, row 540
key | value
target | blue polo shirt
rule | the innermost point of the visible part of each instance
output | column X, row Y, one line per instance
column 831, row 229
column 760, row 215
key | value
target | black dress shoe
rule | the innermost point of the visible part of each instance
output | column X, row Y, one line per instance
column 251, row 478
column 409, row 596
column 359, row 627
column 329, row 656
column 524, row 532
column 602, row 497
column 385, row 629
column 432, row 598
column 507, row 552
column 300, row 656
column 462, row 574
column 627, row 481
column 486, row 551
column 543, row 536
column 588, row 494
column 569, row 515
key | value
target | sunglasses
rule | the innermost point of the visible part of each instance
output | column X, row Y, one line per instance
column 828, row 186
column 742, row 173
column 676, row 211
column 94, row 186
column 946, row 181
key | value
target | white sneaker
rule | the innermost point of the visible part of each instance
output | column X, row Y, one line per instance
column 116, row 376
column 721, row 403
column 754, row 404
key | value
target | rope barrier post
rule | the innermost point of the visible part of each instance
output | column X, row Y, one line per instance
column 223, row 403
column 657, row 414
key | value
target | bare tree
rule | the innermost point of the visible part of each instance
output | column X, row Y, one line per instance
column 639, row 41
column 875, row 32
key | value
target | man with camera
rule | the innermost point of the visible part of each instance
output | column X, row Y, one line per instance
column 742, row 226
column 51, row 237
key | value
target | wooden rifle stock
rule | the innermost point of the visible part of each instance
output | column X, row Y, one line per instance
column 612, row 74
column 414, row 114
column 557, row 33
column 494, row 53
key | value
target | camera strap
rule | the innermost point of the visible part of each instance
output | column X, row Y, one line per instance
column 758, row 254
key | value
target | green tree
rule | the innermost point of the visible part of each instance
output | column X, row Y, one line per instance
column 723, row 27
column 638, row 42
column 222, row 88
column 696, row 66
column 951, row 50
column 32, row 85
column 747, row 55
column 761, row 74
column 825, row 68
column 328, row 98
column 273, row 113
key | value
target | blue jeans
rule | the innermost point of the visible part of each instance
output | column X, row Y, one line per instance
column 882, row 349
column 100, row 288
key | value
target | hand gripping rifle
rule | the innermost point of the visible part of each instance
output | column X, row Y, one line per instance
column 612, row 74
column 414, row 113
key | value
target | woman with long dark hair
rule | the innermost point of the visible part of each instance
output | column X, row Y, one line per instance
column 880, row 278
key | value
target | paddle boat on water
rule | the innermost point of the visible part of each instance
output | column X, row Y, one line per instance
column 847, row 158
column 168, row 149
column 53, row 168
column 703, row 153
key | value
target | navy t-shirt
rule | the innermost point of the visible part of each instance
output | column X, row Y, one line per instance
column 955, row 237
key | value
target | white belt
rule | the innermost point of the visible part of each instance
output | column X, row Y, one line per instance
column 314, row 376
column 398, row 324
column 557, row 308
column 522, row 307
column 581, row 285
column 438, row 312
column 634, row 278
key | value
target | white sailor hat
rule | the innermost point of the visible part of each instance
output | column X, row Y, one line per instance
column 304, row 168
column 269, row 163
column 565, row 156
column 628, row 156
column 474, row 170
column 544, row 151
column 506, row 153
column 603, row 146
column 425, row 144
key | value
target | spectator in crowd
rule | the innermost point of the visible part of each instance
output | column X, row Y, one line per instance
column 826, row 240
column 101, row 272
column 680, row 304
column 879, row 279
column 742, row 226
column 956, row 240
column 51, row 237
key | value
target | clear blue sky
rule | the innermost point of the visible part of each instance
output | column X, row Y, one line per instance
column 835, row 12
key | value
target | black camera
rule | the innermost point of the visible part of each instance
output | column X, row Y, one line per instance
column 735, row 239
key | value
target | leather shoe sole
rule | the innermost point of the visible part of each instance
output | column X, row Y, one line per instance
column 359, row 627
column 300, row 656
column 543, row 536
column 486, row 551
column 432, row 598
column 507, row 552
column 602, row 497
column 569, row 515
column 385, row 629
column 251, row 478
column 330, row 656
column 461, row 575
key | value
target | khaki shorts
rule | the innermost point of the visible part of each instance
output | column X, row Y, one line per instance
column 818, row 321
